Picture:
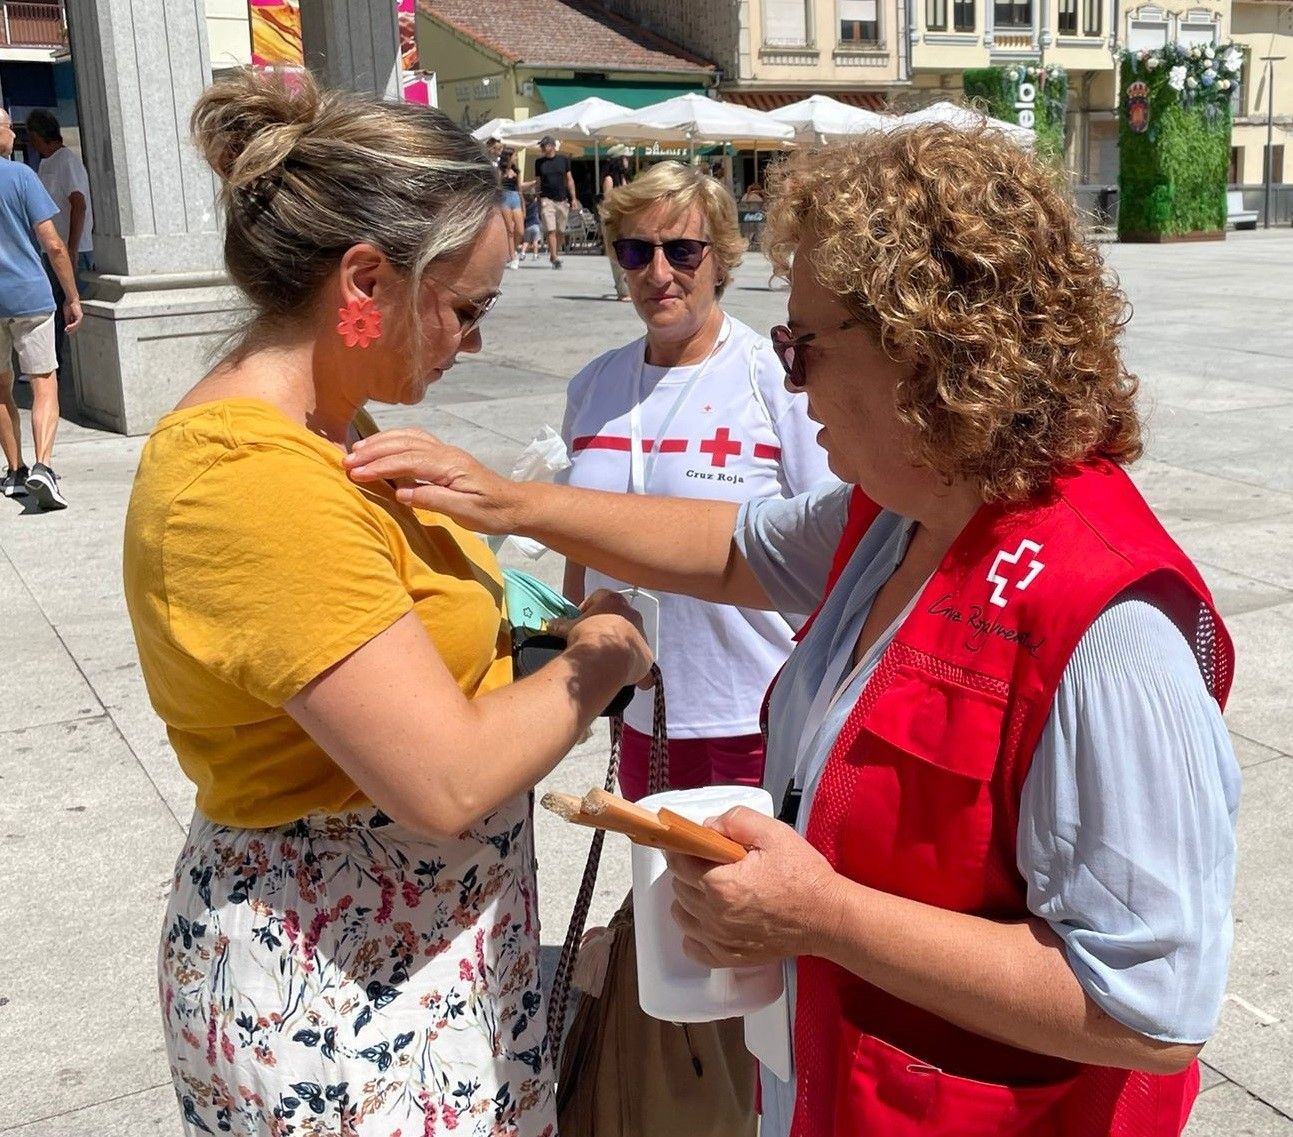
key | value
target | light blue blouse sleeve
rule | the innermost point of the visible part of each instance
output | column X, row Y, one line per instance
column 789, row 544
column 1127, row 826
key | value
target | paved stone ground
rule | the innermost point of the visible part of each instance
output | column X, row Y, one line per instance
column 93, row 807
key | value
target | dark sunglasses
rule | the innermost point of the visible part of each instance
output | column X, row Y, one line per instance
column 681, row 252
column 786, row 344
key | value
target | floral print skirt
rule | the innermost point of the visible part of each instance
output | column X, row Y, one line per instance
column 344, row 976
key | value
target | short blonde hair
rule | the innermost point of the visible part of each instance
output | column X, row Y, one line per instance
column 959, row 251
column 681, row 187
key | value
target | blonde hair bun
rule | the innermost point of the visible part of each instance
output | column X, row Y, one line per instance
column 247, row 125
column 308, row 174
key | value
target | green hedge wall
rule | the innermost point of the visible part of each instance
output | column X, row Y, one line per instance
column 1172, row 175
column 996, row 89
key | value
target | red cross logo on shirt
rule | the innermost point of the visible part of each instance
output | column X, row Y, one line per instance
column 1006, row 565
column 720, row 446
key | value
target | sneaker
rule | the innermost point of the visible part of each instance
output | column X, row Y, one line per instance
column 15, row 482
column 520, row 258
column 556, row 262
column 42, row 484
column 513, row 263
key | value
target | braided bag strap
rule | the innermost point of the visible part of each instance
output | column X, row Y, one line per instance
column 657, row 779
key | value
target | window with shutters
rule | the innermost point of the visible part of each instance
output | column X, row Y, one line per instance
column 1273, row 163
column 859, row 22
column 1197, row 28
column 1013, row 14
column 963, row 15
column 1068, row 17
column 1147, row 29
column 785, row 23
column 1092, row 17
column 936, row 15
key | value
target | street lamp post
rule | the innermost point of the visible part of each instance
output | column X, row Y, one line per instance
column 1270, row 61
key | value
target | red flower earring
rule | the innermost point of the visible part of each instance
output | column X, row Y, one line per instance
column 360, row 322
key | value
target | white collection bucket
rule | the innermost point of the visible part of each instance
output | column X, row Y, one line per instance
column 671, row 986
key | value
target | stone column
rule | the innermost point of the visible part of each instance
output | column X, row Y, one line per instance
column 353, row 44
column 160, row 304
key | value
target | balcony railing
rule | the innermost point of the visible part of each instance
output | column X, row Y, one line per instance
column 32, row 25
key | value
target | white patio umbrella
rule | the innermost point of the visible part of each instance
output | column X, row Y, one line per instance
column 491, row 129
column 963, row 118
column 695, row 119
column 819, row 117
column 575, row 123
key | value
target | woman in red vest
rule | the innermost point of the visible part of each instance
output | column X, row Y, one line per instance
column 1003, row 871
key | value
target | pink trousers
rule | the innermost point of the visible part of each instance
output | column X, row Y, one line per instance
column 733, row 761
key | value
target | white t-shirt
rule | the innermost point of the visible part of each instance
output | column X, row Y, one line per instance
column 63, row 174
column 736, row 436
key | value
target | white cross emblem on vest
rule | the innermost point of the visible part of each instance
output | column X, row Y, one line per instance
column 999, row 580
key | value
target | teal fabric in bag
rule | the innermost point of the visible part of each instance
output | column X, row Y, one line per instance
column 530, row 602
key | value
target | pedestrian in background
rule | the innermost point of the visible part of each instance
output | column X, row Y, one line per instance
column 533, row 229
column 64, row 177
column 27, row 214
column 509, row 177
column 695, row 407
column 616, row 175
column 557, row 196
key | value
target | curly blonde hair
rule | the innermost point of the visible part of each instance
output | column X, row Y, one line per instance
column 960, row 252
column 682, row 187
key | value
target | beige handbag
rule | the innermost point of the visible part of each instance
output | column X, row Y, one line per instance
column 623, row 1073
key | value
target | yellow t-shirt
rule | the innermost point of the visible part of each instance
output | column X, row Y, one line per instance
column 253, row 564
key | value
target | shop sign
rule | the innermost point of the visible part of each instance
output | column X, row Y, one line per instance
column 1026, row 103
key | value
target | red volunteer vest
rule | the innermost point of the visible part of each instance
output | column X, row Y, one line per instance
column 920, row 798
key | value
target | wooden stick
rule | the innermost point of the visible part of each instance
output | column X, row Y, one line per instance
column 570, row 807
column 698, row 841
column 666, row 830
column 616, row 813
column 566, row 806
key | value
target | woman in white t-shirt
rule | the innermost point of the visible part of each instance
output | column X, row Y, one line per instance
column 695, row 408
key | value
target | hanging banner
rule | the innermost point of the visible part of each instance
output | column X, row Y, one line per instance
column 408, row 16
column 276, row 33
column 1138, row 107
column 276, row 42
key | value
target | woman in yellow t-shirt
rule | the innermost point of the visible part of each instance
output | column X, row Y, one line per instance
column 351, row 944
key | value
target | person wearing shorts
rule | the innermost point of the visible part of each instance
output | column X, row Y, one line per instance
column 552, row 174
column 27, row 321
column 64, row 176
column 509, row 177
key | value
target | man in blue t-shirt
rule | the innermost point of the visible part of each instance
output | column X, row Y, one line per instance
column 27, row 321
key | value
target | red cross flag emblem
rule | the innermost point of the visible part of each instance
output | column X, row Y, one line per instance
column 720, row 447
column 1009, row 569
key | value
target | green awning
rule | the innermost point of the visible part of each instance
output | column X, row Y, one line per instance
column 557, row 93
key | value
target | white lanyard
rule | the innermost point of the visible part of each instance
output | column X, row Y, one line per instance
column 833, row 687
column 640, row 469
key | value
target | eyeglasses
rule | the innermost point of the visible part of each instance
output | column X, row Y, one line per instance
column 786, row 344
column 681, row 252
column 479, row 308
